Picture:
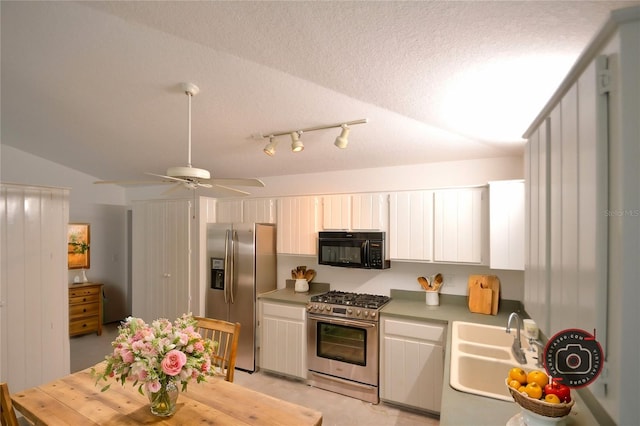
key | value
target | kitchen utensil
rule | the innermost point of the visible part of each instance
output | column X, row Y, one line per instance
column 310, row 275
column 437, row 282
column 424, row 283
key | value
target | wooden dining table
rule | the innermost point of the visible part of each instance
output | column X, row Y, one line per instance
column 77, row 400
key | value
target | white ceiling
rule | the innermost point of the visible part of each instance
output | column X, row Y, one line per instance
column 95, row 85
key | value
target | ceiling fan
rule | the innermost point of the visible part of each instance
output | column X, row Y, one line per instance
column 190, row 177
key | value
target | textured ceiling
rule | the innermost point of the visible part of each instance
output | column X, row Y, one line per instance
column 95, row 85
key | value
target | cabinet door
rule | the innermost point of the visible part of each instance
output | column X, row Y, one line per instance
column 336, row 212
column 298, row 224
column 228, row 211
column 370, row 212
column 283, row 340
column 161, row 259
column 458, row 225
column 506, row 225
column 411, row 225
column 259, row 210
column 412, row 363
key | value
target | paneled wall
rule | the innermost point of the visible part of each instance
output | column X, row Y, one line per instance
column 34, row 318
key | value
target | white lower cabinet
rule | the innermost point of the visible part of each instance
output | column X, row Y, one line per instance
column 412, row 362
column 283, row 339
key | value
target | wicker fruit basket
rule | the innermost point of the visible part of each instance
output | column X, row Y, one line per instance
column 539, row 406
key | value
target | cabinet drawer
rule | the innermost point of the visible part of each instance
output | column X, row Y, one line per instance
column 292, row 312
column 431, row 332
column 92, row 298
column 84, row 291
column 83, row 326
column 84, row 310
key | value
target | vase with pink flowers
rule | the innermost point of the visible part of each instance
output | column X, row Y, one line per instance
column 157, row 357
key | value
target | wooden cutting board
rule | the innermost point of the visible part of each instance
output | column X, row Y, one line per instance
column 484, row 294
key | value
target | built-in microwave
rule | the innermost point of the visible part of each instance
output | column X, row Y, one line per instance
column 353, row 250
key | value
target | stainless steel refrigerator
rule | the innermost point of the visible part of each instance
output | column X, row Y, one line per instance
column 242, row 259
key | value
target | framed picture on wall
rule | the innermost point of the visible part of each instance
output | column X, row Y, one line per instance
column 78, row 246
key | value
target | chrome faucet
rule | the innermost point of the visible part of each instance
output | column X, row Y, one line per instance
column 516, row 348
column 535, row 343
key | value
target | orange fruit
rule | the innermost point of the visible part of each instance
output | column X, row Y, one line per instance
column 552, row 399
column 539, row 377
column 517, row 373
column 522, row 389
column 534, row 390
column 514, row 384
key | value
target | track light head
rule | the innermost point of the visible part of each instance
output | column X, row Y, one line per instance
column 342, row 141
column 270, row 149
column 296, row 143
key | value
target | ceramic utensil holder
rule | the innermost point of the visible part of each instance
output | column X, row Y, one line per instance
column 432, row 298
column 301, row 286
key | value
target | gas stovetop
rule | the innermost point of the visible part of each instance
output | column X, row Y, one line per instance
column 360, row 300
column 347, row 305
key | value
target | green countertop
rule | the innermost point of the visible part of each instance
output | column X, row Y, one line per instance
column 458, row 408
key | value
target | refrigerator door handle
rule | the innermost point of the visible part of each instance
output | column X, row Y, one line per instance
column 227, row 275
column 234, row 239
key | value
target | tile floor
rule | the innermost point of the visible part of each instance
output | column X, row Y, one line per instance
column 336, row 409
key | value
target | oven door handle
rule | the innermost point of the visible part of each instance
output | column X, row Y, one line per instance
column 339, row 380
column 348, row 322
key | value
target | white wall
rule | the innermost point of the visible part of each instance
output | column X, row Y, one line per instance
column 102, row 206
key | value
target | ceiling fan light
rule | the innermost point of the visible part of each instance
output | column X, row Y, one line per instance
column 296, row 143
column 270, row 149
column 342, row 141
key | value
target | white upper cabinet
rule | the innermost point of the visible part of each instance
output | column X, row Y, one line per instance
column 336, row 212
column 254, row 210
column 356, row 212
column 259, row 210
column 298, row 225
column 459, row 225
column 506, row 225
column 411, row 225
column 370, row 212
column 228, row 211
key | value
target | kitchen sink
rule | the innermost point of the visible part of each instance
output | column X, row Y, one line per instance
column 481, row 358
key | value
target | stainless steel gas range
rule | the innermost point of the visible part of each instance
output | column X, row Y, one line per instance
column 342, row 333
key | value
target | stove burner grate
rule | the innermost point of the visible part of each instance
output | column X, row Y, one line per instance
column 361, row 300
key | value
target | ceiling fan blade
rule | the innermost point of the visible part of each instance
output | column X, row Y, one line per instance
column 175, row 179
column 204, row 185
column 130, row 182
column 238, row 182
column 233, row 189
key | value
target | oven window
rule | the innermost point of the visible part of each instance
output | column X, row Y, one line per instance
column 342, row 343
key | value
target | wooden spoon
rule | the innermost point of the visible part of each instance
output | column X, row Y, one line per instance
column 437, row 282
column 310, row 275
column 424, row 283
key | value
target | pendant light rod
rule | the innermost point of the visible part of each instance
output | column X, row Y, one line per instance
column 311, row 129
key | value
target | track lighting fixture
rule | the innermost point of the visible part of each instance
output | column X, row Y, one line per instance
column 270, row 149
column 297, row 145
column 342, row 141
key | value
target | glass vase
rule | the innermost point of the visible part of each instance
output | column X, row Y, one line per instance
column 163, row 402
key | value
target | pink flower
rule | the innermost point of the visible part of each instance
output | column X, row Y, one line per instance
column 153, row 386
column 127, row 355
column 173, row 362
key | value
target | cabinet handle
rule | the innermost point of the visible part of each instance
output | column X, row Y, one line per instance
column 84, row 310
column 84, row 300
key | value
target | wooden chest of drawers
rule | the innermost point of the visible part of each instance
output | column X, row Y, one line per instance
column 85, row 309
